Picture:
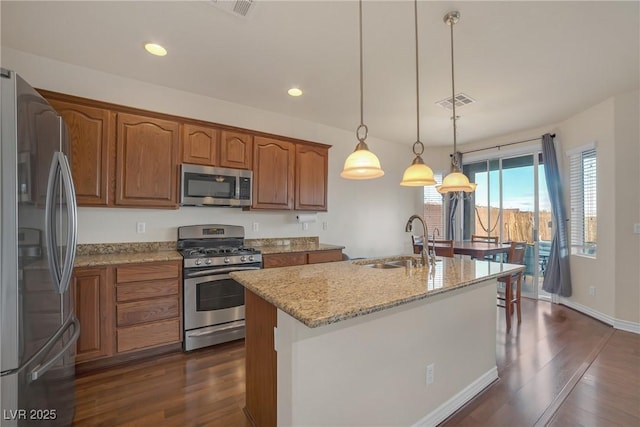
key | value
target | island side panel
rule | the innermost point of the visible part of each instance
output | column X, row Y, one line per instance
column 371, row 370
column 261, row 365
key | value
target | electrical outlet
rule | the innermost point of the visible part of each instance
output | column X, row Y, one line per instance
column 305, row 226
column 430, row 373
column 592, row 291
column 325, row 225
column 141, row 227
column 256, row 226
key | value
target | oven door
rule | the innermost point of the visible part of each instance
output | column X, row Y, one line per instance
column 212, row 300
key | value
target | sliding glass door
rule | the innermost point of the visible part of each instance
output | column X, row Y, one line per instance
column 511, row 203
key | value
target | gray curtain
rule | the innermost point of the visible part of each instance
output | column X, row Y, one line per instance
column 557, row 277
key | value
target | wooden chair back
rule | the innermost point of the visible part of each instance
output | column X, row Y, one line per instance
column 417, row 242
column 443, row 247
column 516, row 253
column 487, row 239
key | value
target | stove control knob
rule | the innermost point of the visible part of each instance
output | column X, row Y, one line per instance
column 251, row 258
column 227, row 260
column 243, row 258
column 208, row 261
column 198, row 261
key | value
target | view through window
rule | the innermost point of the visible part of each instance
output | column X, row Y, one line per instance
column 584, row 215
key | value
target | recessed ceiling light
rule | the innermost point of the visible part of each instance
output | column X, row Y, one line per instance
column 294, row 91
column 155, row 49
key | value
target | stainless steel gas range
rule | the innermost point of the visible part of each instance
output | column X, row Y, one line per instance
column 213, row 301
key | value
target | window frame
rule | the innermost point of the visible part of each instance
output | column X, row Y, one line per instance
column 583, row 197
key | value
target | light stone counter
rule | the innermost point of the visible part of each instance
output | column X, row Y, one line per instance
column 94, row 255
column 321, row 294
column 303, row 247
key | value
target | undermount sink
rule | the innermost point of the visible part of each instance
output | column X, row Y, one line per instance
column 383, row 265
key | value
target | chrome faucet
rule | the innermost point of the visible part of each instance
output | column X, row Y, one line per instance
column 432, row 256
column 425, row 244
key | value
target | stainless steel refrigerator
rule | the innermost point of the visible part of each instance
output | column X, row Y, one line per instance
column 38, row 326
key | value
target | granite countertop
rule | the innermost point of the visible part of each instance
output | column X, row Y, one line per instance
column 297, row 247
column 321, row 294
column 94, row 255
column 283, row 245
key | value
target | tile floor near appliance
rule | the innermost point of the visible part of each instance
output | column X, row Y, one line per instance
column 206, row 387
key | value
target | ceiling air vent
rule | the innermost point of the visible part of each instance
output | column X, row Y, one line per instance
column 240, row 8
column 461, row 101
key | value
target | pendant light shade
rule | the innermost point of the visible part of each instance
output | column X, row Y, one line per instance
column 362, row 163
column 456, row 181
column 417, row 174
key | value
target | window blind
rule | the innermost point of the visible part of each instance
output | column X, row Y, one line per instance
column 433, row 211
column 584, row 215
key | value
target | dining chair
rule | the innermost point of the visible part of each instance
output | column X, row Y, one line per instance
column 507, row 298
column 481, row 238
column 417, row 243
column 486, row 239
column 443, row 247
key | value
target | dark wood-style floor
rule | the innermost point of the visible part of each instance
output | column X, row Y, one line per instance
column 559, row 368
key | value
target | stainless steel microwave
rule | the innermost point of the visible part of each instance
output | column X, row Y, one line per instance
column 213, row 186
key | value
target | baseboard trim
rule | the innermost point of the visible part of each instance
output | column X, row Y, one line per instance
column 459, row 400
column 623, row 325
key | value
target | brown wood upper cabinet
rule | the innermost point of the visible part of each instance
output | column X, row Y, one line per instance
column 91, row 133
column 200, row 145
column 311, row 177
column 273, row 169
column 236, row 150
column 146, row 161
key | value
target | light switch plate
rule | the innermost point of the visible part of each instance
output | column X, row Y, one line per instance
column 636, row 228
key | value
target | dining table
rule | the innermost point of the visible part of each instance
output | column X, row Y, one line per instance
column 478, row 249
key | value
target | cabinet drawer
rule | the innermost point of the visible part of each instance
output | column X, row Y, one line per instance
column 132, row 313
column 284, row 260
column 147, row 271
column 141, row 290
column 325, row 256
column 149, row 335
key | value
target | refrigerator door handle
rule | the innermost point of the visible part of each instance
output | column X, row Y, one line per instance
column 49, row 222
column 43, row 368
column 61, row 276
column 72, row 226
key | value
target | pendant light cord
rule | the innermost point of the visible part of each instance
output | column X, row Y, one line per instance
column 415, row 6
column 361, row 79
column 453, row 92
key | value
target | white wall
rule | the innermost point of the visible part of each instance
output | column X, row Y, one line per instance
column 627, row 176
column 367, row 217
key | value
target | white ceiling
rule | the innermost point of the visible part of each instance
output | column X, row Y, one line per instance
column 527, row 64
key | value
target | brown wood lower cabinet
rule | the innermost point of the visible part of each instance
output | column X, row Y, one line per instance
column 92, row 291
column 125, row 309
column 300, row 258
column 261, row 361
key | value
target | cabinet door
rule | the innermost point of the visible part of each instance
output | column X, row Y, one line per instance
column 147, row 162
column 235, row 150
column 91, row 134
column 200, row 145
column 272, row 173
column 93, row 296
column 311, row 177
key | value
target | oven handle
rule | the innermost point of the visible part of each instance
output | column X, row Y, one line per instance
column 220, row 271
column 234, row 325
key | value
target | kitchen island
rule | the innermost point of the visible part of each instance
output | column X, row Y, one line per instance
column 353, row 343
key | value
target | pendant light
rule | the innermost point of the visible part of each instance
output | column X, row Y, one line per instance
column 417, row 174
column 362, row 163
column 456, row 181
